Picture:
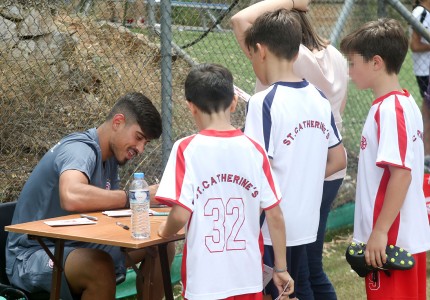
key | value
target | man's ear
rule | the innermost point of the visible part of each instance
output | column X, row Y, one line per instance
column 117, row 120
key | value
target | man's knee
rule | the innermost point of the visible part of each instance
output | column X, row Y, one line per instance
column 84, row 264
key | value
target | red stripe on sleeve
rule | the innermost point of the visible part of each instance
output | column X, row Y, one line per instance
column 180, row 164
column 377, row 120
column 401, row 130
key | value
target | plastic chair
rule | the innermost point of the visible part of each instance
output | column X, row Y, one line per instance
column 6, row 289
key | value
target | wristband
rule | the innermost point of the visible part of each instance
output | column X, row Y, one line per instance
column 127, row 200
column 280, row 270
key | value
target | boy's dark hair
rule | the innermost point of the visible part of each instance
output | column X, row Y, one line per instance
column 280, row 31
column 383, row 37
column 209, row 87
column 137, row 108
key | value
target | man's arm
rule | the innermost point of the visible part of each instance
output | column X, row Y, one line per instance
column 336, row 160
column 242, row 20
column 176, row 220
column 395, row 195
column 76, row 194
column 276, row 225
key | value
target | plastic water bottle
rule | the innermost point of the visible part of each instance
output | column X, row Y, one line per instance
column 139, row 204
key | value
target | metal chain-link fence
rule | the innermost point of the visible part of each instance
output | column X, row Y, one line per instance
column 65, row 63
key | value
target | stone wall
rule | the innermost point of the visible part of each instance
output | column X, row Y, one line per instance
column 29, row 34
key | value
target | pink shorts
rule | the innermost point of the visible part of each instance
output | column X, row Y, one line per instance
column 400, row 285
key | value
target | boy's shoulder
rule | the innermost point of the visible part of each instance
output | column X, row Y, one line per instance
column 260, row 95
column 394, row 97
column 186, row 139
column 295, row 90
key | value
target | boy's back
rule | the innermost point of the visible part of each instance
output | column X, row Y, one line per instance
column 294, row 122
column 224, row 180
column 217, row 182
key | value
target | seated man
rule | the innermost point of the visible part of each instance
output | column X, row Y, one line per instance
column 80, row 174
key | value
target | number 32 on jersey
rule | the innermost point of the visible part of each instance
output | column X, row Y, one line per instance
column 227, row 221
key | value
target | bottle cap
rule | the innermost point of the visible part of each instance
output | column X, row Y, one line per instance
column 139, row 175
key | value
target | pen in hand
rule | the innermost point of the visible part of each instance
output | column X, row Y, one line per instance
column 89, row 217
column 123, row 225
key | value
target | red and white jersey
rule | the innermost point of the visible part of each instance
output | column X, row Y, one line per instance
column 392, row 136
column 223, row 178
column 294, row 122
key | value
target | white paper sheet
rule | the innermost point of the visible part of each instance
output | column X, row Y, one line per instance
column 70, row 222
column 118, row 213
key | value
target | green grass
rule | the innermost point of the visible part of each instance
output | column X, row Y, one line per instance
column 347, row 283
column 221, row 48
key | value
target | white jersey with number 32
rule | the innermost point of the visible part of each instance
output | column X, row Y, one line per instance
column 223, row 178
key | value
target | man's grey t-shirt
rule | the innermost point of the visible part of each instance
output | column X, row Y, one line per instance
column 40, row 197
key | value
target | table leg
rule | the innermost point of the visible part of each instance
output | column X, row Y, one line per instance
column 148, row 269
column 56, row 273
column 165, row 270
column 57, row 259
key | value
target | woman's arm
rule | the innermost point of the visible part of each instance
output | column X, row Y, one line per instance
column 417, row 45
column 242, row 20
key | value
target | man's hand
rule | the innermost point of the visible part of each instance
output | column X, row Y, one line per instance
column 284, row 283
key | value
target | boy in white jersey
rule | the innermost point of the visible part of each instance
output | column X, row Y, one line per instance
column 218, row 181
column 390, row 205
column 293, row 120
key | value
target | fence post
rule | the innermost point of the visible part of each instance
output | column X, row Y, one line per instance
column 340, row 24
column 410, row 18
column 151, row 13
column 382, row 9
column 166, row 78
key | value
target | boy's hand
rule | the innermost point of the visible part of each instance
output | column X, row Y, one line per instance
column 161, row 229
column 281, row 280
column 375, row 250
column 152, row 191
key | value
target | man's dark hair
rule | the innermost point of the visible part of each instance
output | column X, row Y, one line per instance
column 383, row 37
column 209, row 87
column 280, row 31
column 137, row 108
